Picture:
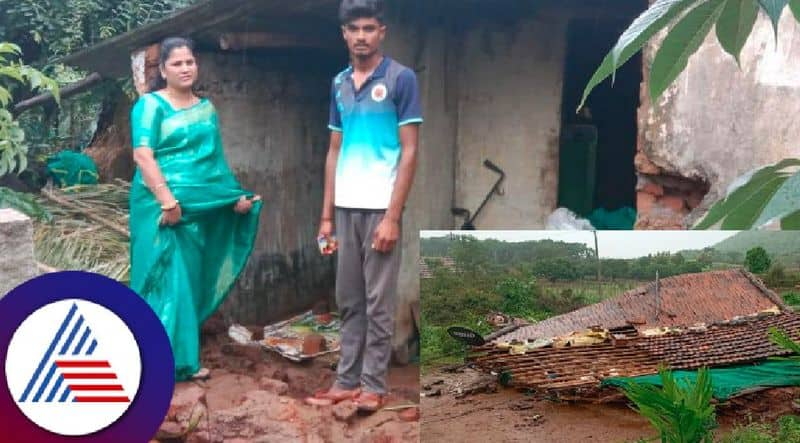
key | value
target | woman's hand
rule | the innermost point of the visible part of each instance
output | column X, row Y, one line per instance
column 244, row 205
column 171, row 217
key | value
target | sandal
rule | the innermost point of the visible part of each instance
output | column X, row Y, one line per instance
column 332, row 396
column 370, row 401
column 202, row 374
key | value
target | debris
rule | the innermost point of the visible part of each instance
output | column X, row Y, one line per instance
column 275, row 386
column 240, row 334
column 410, row 414
column 434, row 393
column 288, row 337
column 345, row 410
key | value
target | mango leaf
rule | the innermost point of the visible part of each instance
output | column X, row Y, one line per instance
column 774, row 9
column 655, row 18
column 683, row 40
column 9, row 48
column 791, row 222
column 794, row 5
column 5, row 97
column 785, row 200
column 735, row 24
column 743, row 207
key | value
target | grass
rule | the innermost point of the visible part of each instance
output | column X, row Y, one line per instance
column 785, row 430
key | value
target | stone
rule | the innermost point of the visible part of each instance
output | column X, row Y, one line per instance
column 410, row 414
column 345, row 410
column 17, row 263
column 275, row 386
column 186, row 400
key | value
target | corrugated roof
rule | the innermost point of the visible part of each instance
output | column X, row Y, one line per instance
column 681, row 300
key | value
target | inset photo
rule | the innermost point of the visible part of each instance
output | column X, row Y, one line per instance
column 610, row 336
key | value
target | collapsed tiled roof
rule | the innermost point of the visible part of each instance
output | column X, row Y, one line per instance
column 732, row 342
column 682, row 300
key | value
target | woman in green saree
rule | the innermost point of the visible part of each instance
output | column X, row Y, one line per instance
column 192, row 225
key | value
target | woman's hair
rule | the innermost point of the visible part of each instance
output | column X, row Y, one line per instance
column 168, row 45
column 351, row 10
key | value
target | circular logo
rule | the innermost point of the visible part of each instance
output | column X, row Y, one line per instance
column 85, row 359
column 90, row 362
column 379, row 92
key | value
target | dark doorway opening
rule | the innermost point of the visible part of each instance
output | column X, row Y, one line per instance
column 597, row 179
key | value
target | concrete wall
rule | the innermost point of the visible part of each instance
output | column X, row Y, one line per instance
column 509, row 104
column 273, row 113
column 719, row 121
column 17, row 264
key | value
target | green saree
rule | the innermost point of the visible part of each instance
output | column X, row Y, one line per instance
column 185, row 271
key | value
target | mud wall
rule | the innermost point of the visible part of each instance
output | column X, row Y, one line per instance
column 718, row 121
column 273, row 113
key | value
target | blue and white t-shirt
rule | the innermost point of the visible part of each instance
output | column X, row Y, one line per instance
column 369, row 120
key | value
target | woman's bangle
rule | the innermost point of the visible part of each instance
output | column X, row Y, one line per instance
column 170, row 207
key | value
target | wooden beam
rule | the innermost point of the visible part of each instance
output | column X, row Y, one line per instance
column 237, row 41
column 67, row 91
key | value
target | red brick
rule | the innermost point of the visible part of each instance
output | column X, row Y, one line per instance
column 673, row 202
column 653, row 188
column 644, row 165
column 313, row 344
column 644, row 202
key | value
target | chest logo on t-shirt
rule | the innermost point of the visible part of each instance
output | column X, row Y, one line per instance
column 379, row 92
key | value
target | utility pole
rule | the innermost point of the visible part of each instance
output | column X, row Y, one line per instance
column 597, row 257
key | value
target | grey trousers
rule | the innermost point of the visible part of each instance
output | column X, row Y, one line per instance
column 366, row 288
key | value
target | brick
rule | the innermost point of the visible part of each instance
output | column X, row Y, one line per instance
column 673, row 202
column 644, row 165
column 644, row 202
column 652, row 188
column 313, row 344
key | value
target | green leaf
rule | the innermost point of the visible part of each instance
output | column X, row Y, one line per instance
column 5, row 97
column 785, row 201
column 735, row 24
column 774, row 9
column 13, row 72
column 9, row 48
column 655, row 18
column 741, row 208
column 683, row 40
column 791, row 222
column 794, row 5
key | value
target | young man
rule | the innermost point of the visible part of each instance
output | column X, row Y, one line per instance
column 374, row 122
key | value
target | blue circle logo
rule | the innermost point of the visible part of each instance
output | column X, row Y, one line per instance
column 85, row 359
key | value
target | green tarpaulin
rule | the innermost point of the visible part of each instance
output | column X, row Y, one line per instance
column 730, row 380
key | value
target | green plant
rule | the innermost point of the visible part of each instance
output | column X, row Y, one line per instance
column 770, row 194
column 791, row 298
column 14, row 74
column 757, row 260
column 786, row 429
column 688, row 22
column 680, row 414
column 776, row 276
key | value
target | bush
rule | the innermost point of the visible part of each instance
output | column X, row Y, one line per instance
column 776, row 277
column 791, row 298
column 785, row 430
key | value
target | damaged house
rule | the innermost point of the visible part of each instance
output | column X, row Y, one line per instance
column 717, row 319
column 502, row 146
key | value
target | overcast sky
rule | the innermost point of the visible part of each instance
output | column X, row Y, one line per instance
column 612, row 244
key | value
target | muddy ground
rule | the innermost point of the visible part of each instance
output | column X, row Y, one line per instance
column 508, row 415
column 254, row 395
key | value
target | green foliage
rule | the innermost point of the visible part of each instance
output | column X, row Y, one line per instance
column 734, row 20
column 780, row 245
column 787, row 429
column 518, row 297
column 776, row 276
column 65, row 26
column 24, row 203
column 782, row 339
column 680, row 414
column 757, row 260
column 13, row 75
column 791, row 298
column 773, row 192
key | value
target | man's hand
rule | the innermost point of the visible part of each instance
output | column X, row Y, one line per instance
column 386, row 235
